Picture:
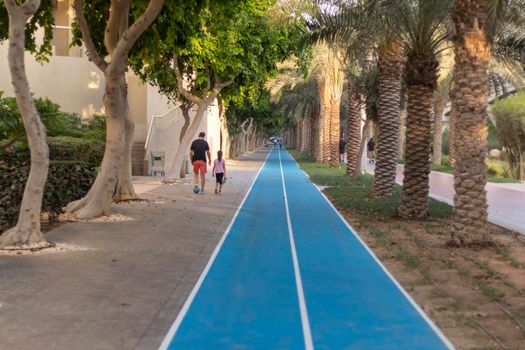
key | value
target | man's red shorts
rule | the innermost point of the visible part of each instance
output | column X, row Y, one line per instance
column 199, row 167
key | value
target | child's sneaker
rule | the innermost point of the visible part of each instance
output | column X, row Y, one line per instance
column 202, row 190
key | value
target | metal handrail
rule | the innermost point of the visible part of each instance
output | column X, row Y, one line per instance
column 164, row 124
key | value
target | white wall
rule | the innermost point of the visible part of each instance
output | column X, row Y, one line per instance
column 167, row 140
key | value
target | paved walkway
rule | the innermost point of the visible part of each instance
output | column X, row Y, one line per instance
column 290, row 273
column 123, row 290
column 506, row 201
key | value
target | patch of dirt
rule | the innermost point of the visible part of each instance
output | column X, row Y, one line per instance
column 140, row 202
column 38, row 248
column 475, row 296
column 111, row 218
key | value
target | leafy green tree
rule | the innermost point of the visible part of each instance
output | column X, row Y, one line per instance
column 24, row 18
column 232, row 48
column 109, row 32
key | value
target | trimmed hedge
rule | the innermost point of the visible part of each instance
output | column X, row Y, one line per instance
column 67, row 181
column 60, row 149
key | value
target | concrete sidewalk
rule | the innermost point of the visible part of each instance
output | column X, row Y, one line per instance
column 125, row 285
column 506, row 201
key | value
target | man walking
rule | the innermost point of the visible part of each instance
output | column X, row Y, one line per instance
column 198, row 151
column 342, row 150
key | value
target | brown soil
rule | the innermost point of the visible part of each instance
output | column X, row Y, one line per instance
column 471, row 294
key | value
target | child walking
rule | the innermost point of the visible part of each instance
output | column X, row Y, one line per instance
column 219, row 171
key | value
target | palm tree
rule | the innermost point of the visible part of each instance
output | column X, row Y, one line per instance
column 390, row 66
column 480, row 26
column 328, row 68
column 298, row 98
column 440, row 98
column 421, row 26
column 472, row 55
column 353, row 129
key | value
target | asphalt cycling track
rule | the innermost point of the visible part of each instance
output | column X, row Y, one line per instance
column 290, row 273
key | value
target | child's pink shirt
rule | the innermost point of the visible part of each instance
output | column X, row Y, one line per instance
column 219, row 166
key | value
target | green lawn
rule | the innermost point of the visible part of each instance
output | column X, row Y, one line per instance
column 355, row 194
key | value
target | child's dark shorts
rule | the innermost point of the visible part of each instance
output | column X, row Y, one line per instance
column 219, row 177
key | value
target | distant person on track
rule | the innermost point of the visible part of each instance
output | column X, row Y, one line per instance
column 219, row 172
column 280, row 143
column 342, row 146
column 371, row 147
column 198, row 151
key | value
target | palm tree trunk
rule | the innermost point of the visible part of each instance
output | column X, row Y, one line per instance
column 353, row 130
column 452, row 127
column 364, row 140
column 390, row 65
column 325, row 125
column 439, row 106
column 401, row 140
column 421, row 82
column 472, row 54
column 334, row 130
column 318, row 138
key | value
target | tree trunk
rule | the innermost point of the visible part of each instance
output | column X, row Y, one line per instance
column 472, row 54
column 364, row 140
column 98, row 200
column 118, row 40
column 401, row 141
column 390, row 65
column 334, row 134
column 125, row 188
column 185, row 108
column 27, row 229
column 452, row 126
column 324, row 124
column 353, row 131
column 317, row 138
column 421, row 83
column 225, row 133
column 439, row 106
column 186, row 140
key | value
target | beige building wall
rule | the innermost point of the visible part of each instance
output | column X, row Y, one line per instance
column 72, row 82
column 77, row 85
column 137, row 98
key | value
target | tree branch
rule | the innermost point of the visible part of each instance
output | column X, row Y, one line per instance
column 86, row 37
column 119, row 10
column 132, row 34
column 217, row 89
column 180, row 82
column 9, row 142
column 28, row 8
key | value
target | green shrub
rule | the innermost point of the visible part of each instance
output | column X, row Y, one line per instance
column 60, row 149
column 444, row 142
column 493, row 142
column 11, row 125
column 66, row 182
column 57, row 123
column 497, row 168
column 510, row 119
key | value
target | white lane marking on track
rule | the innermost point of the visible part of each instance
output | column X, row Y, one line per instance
column 180, row 317
column 396, row 283
column 309, row 345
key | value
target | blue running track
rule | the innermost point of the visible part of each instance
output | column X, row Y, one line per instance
column 290, row 273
